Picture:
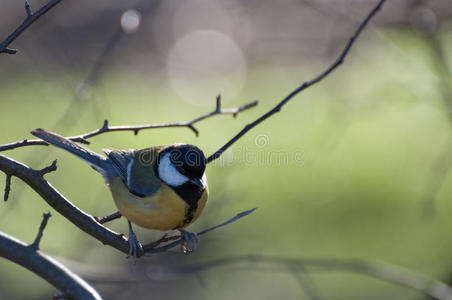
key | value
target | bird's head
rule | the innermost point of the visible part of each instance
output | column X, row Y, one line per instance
column 179, row 164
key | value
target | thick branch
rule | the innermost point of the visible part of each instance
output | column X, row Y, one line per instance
column 30, row 19
column 84, row 221
column 83, row 138
column 302, row 87
column 46, row 267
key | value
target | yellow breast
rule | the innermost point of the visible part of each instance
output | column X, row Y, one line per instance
column 164, row 210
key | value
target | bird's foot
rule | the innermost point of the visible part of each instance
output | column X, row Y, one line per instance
column 190, row 242
column 134, row 245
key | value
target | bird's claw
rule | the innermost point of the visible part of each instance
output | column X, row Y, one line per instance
column 190, row 241
column 134, row 247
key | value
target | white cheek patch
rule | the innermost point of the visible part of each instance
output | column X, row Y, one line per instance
column 169, row 174
column 129, row 171
column 204, row 180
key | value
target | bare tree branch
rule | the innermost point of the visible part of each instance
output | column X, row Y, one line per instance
column 152, row 247
column 7, row 187
column 83, row 138
column 45, row 218
column 302, row 87
column 108, row 218
column 30, row 19
column 54, row 198
column 31, row 258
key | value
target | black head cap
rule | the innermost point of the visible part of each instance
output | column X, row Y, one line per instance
column 189, row 160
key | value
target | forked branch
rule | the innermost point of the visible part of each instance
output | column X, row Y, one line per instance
column 30, row 19
column 83, row 138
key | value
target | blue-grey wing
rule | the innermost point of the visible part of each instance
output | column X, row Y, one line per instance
column 127, row 169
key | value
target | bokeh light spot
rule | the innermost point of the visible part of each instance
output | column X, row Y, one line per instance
column 204, row 63
column 130, row 20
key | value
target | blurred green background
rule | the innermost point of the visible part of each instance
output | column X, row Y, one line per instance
column 355, row 167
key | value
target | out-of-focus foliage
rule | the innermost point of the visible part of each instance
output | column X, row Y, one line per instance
column 341, row 172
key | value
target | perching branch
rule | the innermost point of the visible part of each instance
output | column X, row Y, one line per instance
column 84, row 221
column 30, row 19
column 31, row 258
column 54, row 198
column 153, row 247
column 302, row 87
column 83, row 138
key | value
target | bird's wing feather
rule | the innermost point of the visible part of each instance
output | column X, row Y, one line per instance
column 136, row 170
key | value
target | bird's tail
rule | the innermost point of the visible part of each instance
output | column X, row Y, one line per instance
column 98, row 162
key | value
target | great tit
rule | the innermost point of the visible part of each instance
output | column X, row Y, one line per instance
column 161, row 187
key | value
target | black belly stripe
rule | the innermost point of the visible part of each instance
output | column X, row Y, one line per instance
column 190, row 193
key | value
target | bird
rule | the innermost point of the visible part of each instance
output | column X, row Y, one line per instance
column 160, row 187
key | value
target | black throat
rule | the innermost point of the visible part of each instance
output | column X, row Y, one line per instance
column 190, row 193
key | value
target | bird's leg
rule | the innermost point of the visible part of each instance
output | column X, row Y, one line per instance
column 134, row 244
column 190, row 242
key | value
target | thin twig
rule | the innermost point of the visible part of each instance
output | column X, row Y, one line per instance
column 7, row 187
column 48, row 169
column 30, row 19
column 83, row 138
column 45, row 218
column 46, row 267
column 151, row 248
column 108, row 218
column 302, row 87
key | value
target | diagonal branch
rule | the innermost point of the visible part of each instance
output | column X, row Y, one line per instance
column 54, row 198
column 83, row 138
column 302, row 87
column 30, row 19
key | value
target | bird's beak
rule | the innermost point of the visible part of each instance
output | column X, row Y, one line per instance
column 198, row 182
